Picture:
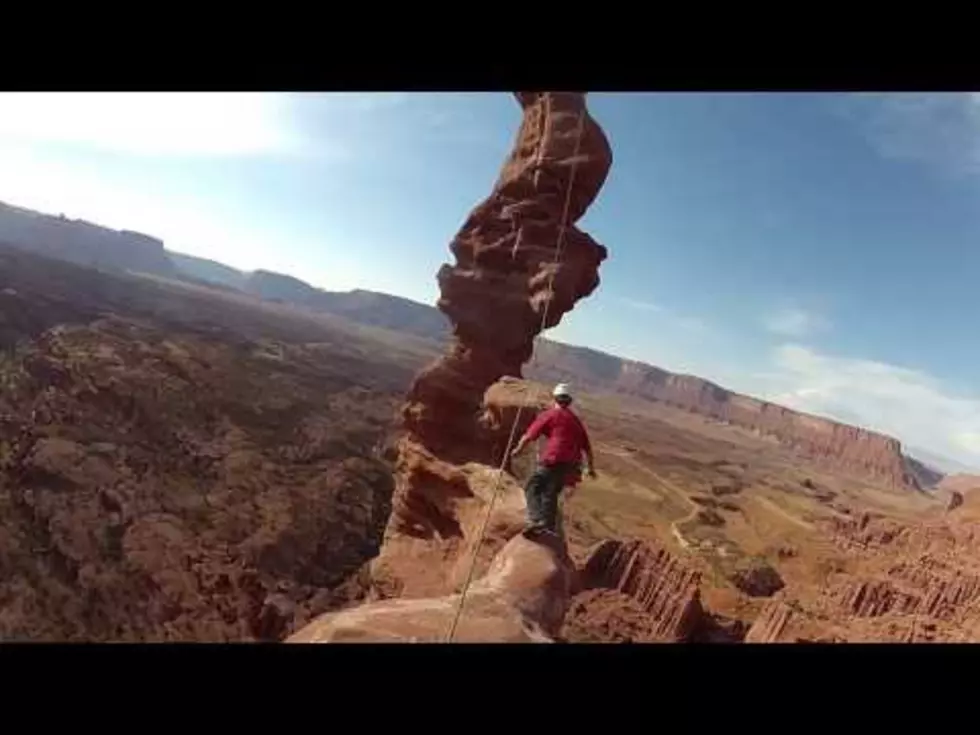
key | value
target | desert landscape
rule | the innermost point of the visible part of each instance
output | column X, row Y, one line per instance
column 193, row 453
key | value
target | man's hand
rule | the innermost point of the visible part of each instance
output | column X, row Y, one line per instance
column 517, row 450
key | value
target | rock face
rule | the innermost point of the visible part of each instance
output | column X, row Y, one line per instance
column 157, row 485
column 955, row 500
column 280, row 287
column 911, row 583
column 636, row 591
column 81, row 242
column 926, row 476
column 522, row 599
column 505, row 286
column 770, row 624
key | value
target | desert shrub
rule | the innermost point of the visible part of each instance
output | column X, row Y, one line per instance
column 756, row 577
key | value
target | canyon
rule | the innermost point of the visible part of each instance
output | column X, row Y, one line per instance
column 82, row 242
column 188, row 452
column 874, row 455
column 864, row 451
column 158, row 481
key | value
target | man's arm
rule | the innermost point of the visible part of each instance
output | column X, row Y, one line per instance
column 533, row 432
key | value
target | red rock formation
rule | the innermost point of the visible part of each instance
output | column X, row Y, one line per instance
column 497, row 292
column 157, row 485
column 662, row 590
column 782, row 622
column 911, row 583
column 522, row 599
column 608, row 616
column 872, row 598
column 768, row 627
column 505, row 286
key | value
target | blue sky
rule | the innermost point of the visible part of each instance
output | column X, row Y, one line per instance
column 818, row 250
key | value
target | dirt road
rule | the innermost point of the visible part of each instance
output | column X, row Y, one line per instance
column 783, row 513
column 676, row 491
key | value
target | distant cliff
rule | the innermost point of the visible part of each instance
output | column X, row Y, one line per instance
column 280, row 287
column 82, row 242
column 870, row 454
column 926, row 475
column 213, row 272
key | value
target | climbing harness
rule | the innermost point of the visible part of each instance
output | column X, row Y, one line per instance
column 563, row 226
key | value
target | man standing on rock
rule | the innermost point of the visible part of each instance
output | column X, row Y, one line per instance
column 559, row 463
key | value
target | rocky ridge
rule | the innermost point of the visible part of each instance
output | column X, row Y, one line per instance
column 912, row 583
column 162, row 485
column 634, row 591
column 875, row 456
column 82, row 242
column 504, row 287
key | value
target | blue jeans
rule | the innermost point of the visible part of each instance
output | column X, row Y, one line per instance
column 542, row 491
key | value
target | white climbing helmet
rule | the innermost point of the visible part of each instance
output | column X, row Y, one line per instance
column 562, row 391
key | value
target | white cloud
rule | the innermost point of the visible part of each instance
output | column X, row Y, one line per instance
column 940, row 128
column 795, row 322
column 337, row 125
column 908, row 404
column 151, row 123
column 641, row 305
column 687, row 323
column 367, row 101
column 968, row 440
column 692, row 323
column 52, row 147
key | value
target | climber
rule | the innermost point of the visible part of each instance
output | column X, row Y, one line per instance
column 559, row 463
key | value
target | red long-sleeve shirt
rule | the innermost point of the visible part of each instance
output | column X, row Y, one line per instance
column 567, row 437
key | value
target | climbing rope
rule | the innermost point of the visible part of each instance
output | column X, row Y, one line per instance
column 563, row 226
